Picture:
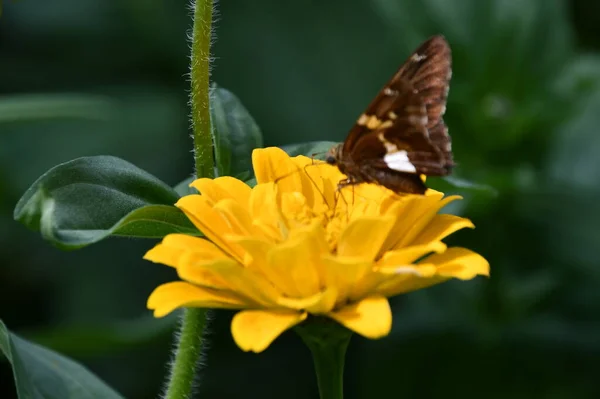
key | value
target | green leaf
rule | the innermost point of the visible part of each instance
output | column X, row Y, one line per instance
column 85, row 200
column 316, row 149
column 183, row 188
column 443, row 183
column 251, row 182
column 235, row 133
column 41, row 373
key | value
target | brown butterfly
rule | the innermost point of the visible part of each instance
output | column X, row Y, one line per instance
column 402, row 135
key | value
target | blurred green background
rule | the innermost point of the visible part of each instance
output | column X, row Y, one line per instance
column 90, row 77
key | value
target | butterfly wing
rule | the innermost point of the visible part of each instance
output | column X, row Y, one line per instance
column 403, row 129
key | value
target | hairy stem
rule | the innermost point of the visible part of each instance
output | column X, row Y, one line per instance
column 200, row 90
column 194, row 321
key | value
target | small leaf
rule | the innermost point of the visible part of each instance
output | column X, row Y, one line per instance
column 41, row 373
column 235, row 133
column 85, row 200
column 251, row 182
column 183, row 188
column 316, row 149
column 457, row 182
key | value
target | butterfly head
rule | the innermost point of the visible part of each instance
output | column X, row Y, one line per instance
column 334, row 154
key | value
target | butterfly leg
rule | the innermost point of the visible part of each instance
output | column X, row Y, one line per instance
column 344, row 183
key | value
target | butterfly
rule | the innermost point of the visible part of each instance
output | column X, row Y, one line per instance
column 402, row 135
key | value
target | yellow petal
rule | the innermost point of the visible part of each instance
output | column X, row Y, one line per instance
column 265, row 213
column 366, row 285
column 409, row 271
column 274, row 165
column 345, row 274
column 236, row 216
column 324, row 179
column 437, row 268
column 227, row 274
column 364, row 236
column 319, row 303
column 210, row 222
column 460, row 263
column 413, row 217
column 294, row 266
column 254, row 330
column 408, row 209
column 425, row 219
column 170, row 296
column 408, row 255
column 256, row 249
column 371, row 317
column 440, row 227
column 224, row 187
column 174, row 246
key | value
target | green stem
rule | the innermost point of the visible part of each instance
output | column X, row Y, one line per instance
column 327, row 342
column 194, row 321
column 187, row 354
column 200, row 90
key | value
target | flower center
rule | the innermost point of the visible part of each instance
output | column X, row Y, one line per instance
column 298, row 213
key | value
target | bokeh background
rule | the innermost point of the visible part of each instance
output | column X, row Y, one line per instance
column 89, row 77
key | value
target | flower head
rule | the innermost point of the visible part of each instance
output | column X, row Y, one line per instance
column 294, row 245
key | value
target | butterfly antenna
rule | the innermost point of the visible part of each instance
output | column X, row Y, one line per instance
column 278, row 179
column 339, row 195
column 315, row 184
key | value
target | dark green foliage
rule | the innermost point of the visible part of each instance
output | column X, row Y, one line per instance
column 235, row 134
column 83, row 201
column 43, row 374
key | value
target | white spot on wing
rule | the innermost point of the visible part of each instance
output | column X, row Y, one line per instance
column 389, row 147
column 399, row 161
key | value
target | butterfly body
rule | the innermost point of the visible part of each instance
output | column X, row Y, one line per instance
column 402, row 135
column 369, row 173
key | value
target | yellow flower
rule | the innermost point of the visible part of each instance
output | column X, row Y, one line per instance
column 293, row 245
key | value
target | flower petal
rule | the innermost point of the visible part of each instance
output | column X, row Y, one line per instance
column 210, row 222
column 407, row 209
column 236, row 216
column 345, row 274
column 371, row 317
column 413, row 216
column 437, row 268
column 254, row 330
column 324, row 179
column 272, row 164
column 440, row 227
column 227, row 274
column 425, row 219
column 225, row 187
column 170, row 296
column 174, row 246
column 256, row 249
column 266, row 215
column 461, row 263
column 408, row 255
column 295, row 264
column 364, row 236
column 319, row 303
